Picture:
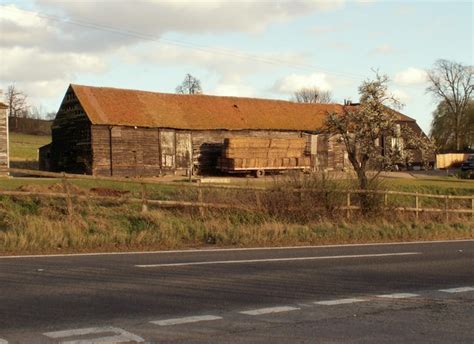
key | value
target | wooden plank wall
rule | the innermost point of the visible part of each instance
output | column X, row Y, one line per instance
column 71, row 138
column 130, row 151
column 331, row 154
column 151, row 151
column 4, row 164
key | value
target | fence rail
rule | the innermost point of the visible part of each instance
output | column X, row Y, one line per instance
column 145, row 200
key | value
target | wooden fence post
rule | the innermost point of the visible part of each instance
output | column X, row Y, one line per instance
column 416, row 205
column 67, row 191
column 348, row 204
column 446, row 208
column 472, row 208
column 200, row 200
column 144, row 199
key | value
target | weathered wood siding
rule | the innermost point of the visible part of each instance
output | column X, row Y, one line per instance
column 331, row 154
column 207, row 144
column 129, row 151
column 71, row 138
column 4, row 162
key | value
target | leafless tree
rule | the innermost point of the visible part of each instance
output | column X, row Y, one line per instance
column 190, row 85
column 312, row 95
column 16, row 101
column 452, row 83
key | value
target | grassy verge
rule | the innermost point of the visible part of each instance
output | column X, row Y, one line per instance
column 31, row 226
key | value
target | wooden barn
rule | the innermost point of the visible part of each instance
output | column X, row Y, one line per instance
column 4, row 160
column 120, row 132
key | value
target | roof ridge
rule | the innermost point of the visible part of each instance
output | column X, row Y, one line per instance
column 204, row 95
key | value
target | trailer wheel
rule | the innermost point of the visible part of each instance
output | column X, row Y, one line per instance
column 259, row 173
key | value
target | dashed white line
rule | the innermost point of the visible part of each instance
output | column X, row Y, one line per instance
column 269, row 310
column 121, row 336
column 398, row 295
column 457, row 290
column 339, row 302
column 185, row 320
column 277, row 259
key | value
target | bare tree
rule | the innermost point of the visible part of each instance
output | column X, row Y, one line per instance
column 190, row 85
column 452, row 83
column 312, row 95
column 16, row 101
column 364, row 127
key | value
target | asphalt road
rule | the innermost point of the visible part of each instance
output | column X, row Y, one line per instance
column 418, row 292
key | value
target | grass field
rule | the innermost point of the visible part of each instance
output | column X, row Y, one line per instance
column 24, row 149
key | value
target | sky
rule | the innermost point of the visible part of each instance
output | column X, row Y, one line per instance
column 262, row 49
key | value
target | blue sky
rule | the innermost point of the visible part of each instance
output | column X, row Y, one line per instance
column 263, row 49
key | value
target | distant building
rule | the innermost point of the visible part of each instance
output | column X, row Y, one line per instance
column 4, row 159
column 120, row 132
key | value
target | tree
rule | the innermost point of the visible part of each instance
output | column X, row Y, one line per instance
column 364, row 127
column 190, row 85
column 312, row 95
column 443, row 123
column 452, row 84
column 16, row 101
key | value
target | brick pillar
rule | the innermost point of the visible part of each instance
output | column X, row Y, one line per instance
column 4, row 160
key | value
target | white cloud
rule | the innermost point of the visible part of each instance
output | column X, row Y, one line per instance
column 235, row 90
column 294, row 82
column 158, row 17
column 402, row 96
column 32, row 64
column 411, row 76
column 229, row 65
column 64, row 39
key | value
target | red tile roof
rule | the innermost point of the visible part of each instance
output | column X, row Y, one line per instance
column 113, row 106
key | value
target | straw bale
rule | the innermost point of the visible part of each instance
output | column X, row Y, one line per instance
column 304, row 161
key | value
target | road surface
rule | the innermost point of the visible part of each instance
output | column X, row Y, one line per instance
column 413, row 292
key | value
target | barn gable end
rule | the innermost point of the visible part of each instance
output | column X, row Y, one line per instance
column 71, row 149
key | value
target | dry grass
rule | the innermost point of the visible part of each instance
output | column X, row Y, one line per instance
column 34, row 226
column 289, row 213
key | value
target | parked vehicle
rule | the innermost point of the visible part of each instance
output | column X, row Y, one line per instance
column 468, row 164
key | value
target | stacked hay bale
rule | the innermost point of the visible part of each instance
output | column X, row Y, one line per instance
column 263, row 153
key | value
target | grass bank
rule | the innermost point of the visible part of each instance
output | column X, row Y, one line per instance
column 32, row 226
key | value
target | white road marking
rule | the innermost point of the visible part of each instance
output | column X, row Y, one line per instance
column 3, row 341
column 233, row 249
column 338, row 302
column 457, row 290
column 120, row 336
column 398, row 295
column 269, row 310
column 185, row 320
column 276, row 259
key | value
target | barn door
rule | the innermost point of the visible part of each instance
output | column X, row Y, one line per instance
column 183, row 150
column 168, row 149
